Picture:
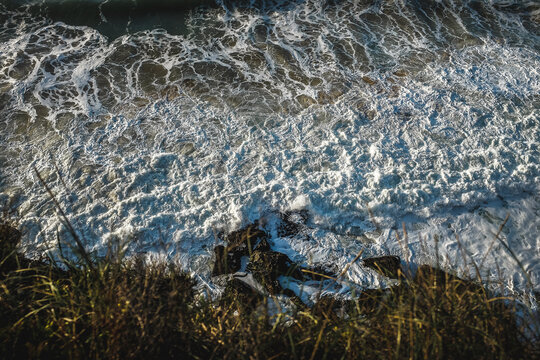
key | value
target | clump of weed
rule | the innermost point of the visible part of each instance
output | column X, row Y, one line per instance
column 114, row 309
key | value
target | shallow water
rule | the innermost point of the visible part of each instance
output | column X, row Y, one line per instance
column 421, row 112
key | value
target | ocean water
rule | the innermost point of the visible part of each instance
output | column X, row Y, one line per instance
column 165, row 123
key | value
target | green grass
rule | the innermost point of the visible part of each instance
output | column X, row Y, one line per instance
column 117, row 308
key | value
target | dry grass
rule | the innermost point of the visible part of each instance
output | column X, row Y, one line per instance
column 128, row 309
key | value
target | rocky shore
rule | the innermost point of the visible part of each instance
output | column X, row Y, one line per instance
column 126, row 308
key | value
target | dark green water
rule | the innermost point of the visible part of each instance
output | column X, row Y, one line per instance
column 114, row 18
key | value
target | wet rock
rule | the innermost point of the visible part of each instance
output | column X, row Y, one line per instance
column 239, row 291
column 227, row 260
column 267, row 266
column 240, row 243
column 389, row 266
column 247, row 239
column 318, row 273
column 292, row 222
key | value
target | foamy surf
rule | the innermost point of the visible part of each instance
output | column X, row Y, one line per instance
column 365, row 115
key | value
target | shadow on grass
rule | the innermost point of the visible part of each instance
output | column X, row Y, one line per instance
column 123, row 308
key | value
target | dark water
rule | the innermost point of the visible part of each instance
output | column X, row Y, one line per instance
column 114, row 18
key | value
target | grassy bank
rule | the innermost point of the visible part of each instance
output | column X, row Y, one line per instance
column 118, row 308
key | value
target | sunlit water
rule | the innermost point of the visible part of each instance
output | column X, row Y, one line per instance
column 425, row 113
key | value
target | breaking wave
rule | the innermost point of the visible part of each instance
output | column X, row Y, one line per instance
column 365, row 113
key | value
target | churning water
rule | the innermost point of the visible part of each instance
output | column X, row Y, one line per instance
column 165, row 126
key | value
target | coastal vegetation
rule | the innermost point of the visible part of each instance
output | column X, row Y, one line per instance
column 160, row 122
column 119, row 307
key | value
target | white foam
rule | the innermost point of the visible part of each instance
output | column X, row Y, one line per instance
column 163, row 138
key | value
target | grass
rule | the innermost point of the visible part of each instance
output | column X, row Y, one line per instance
column 119, row 308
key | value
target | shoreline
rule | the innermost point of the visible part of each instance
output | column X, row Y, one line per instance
column 150, row 309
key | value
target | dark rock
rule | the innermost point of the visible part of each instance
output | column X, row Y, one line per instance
column 263, row 245
column 389, row 266
column 324, row 306
column 9, row 237
column 227, row 261
column 332, row 308
column 267, row 266
column 288, row 292
column 318, row 273
column 11, row 259
column 239, row 243
column 247, row 239
column 295, row 299
column 292, row 222
column 238, row 291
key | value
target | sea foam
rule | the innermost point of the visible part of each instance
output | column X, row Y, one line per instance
column 367, row 116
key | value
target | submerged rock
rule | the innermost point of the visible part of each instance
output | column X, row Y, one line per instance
column 369, row 80
column 305, row 101
column 389, row 265
column 400, row 73
column 292, row 222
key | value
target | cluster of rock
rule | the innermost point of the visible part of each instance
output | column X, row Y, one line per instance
column 264, row 264
column 253, row 270
column 256, row 270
